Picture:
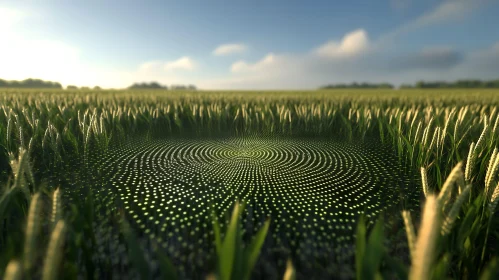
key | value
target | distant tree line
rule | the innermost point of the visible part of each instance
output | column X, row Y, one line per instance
column 183, row 87
column 358, row 85
column 29, row 83
column 456, row 84
column 156, row 85
column 151, row 85
column 71, row 87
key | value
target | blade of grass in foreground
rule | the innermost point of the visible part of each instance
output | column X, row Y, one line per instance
column 360, row 246
column 54, row 252
column 426, row 242
column 374, row 252
column 13, row 271
column 135, row 252
column 290, row 273
column 253, row 250
column 228, row 248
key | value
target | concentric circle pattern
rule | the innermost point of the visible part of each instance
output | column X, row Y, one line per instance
column 312, row 190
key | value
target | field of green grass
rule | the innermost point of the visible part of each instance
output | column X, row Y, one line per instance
column 338, row 184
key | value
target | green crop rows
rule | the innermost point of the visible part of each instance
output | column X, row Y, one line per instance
column 332, row 184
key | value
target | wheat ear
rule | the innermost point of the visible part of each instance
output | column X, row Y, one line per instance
column 454, row 212
column 54, row 252
column 13, row 271
column 427, row 239
column 411, row 233
column 33, row 227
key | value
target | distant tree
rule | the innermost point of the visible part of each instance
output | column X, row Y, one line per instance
column 178, row 87
column 183, row 87
column 358, row 85
column 420, row 84
column 492, row 84
column 71, row 87
column 385, row 85
column 97, row 88
column 458, row 84
column 406, row 86
column 30, row 83
column 151, row 85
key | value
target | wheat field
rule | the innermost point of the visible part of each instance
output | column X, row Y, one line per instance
column 333, row 184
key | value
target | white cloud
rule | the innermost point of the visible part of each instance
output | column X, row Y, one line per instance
column 183, row 63
column 163, row 72
column 242, row 66
column 151, row 66
column 228, row 49
column 309, row 70
column 352, row 43
column 24, row 57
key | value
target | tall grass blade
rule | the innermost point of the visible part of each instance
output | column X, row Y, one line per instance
column 450, row 218
column 54, row 252
column 33, row 228
column 360, row 246
column 410, row 232
column 424, row 254
column 253, row 250
column 13, row 271
column 290, row 273
column 228, row 250
column 135, row 253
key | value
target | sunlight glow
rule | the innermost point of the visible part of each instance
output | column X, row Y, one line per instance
column 23, row 57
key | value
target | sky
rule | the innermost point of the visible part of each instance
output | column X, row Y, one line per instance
column 258, row 44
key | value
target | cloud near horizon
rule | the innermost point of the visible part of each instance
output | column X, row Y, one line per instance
column 436, row 58
column 242, row 66
column 353, row 59
column 352, row 44
column 182, row 63
column 228, row 49
column 356, row 58
column 55, row 60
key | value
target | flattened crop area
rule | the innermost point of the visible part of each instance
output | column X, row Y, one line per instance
column 312, row 190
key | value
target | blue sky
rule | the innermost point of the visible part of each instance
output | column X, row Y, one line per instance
column 248, row 44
